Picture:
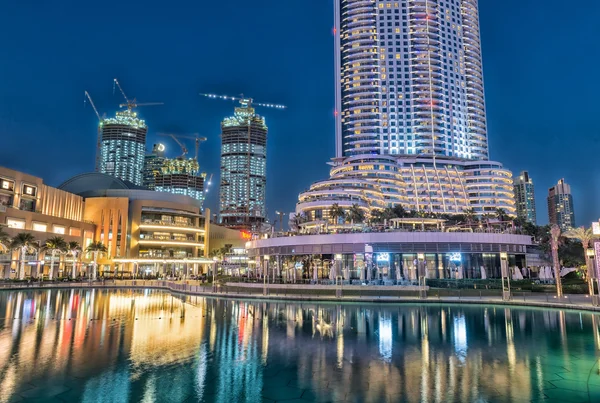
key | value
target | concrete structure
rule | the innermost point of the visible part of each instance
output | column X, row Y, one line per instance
column 390, row 256
column 145, row 231
column 560, row 206
column 28, row 205
column 525, row 197
column 410, row 86
column 243, row 168
column 122, row 146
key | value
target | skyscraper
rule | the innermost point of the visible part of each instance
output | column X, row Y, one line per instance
column 243, row 168
column 410, row 78
column 525, row 197
column 122, row 146
column 560, row 206
column 410, row 112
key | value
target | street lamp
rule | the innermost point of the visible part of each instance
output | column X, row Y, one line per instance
column 265, row 273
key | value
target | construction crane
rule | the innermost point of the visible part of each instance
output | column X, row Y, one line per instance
column 246, row 103
column 184, row 149
column 131, row 104
column 99, row 141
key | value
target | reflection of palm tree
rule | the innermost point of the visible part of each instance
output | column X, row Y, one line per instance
column 74, row 249
column 54, row 245
column 23, row 242
column 585, row 236
column 96, row 248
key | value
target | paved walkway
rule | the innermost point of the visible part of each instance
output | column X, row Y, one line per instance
column 279, row 292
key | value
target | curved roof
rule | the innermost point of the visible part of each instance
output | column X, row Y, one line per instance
column 93, row 181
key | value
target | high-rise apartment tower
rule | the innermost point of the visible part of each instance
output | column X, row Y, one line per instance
column 122, row 146
column 409, row 78
column 243, row 168
column 560, row 206
column 525, row 197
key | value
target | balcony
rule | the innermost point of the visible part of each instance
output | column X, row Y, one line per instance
column 169, row 225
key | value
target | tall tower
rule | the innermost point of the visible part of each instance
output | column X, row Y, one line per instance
column 153, row 164
column 560, row 206
column 122, row 146
column 243, row 168
column 409, row 78
column 525, row 197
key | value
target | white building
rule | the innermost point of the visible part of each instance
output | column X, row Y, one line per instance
column 410, row 98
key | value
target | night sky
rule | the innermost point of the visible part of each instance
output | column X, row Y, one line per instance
column 540, row 75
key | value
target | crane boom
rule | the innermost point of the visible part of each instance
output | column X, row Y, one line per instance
column 87, row 94
column 243, row 100
column 131, row 104
column 116, row 82
column 184, row 149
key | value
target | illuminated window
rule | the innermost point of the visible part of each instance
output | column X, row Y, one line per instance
column 5, row 184
column 39, row 227
column 29, row 190
column 74, row 231
column 57, row 229
column 15, row 223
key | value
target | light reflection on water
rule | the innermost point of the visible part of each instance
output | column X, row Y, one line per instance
column 150, row 346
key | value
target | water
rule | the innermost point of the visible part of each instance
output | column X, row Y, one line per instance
column 150, row 346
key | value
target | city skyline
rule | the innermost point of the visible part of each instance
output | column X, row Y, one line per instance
column 73, row 138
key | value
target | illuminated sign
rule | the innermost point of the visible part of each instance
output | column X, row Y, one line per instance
column 596, row 227
column 383, row 257
column 245, row 235
column 455, row 257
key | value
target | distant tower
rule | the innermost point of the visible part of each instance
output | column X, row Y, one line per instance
column 525, row 197
column 122, row 146
column 153, row 163
column 243, row 168
column 560, row 206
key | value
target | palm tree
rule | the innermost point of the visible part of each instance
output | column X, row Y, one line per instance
column 398, row 211
column 500, row 214
column 335, row 211
column 96, row 248
column 74, row 249
column 585, row 236
column 356, row 214
column 54, row 245
column 296, row 220
column 23, row 242
column 470, row 215
column 554, row 239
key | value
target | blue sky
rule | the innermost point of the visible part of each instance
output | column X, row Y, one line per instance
column 539, row 75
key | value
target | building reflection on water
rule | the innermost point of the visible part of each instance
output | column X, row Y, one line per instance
column 152, row 346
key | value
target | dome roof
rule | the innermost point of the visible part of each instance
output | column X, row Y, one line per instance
column 94, row 181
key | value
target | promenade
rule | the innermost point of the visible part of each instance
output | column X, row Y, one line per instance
column 315, row 293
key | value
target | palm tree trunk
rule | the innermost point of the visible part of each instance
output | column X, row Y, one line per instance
column 558, row 280
column 95, row 265
column 51, row 266
column 74, row 266
column 22, row 264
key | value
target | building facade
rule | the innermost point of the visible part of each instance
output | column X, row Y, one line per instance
column 410, row 97
column 442, row 186
column 153, row 163
column 28, row 205
column 525, row 197
column 243, row 168
column 560, row 206
column 123, row 146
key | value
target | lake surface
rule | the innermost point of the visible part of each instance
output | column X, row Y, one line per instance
column 151, row 346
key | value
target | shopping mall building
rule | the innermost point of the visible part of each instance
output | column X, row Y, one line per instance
column 392, row 256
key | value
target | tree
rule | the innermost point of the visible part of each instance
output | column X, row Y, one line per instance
column 54, row 245
column 296, row 220
column 74, row 249
column 23, row 242
column 585, row 236
column 335, row 212
column 470, row 215
column 501, row 214
column 398, row 211
column 96, row 248
column 356, row 214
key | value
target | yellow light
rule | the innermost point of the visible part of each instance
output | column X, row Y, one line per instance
column 503, row 255
column 172, row 228
column 176, row 243
column 266, row 257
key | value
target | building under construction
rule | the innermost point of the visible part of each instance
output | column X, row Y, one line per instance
column 243, row 168
column 173, row 175
column 122, row 146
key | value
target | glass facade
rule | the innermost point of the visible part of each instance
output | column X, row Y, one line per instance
column 525, row 197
